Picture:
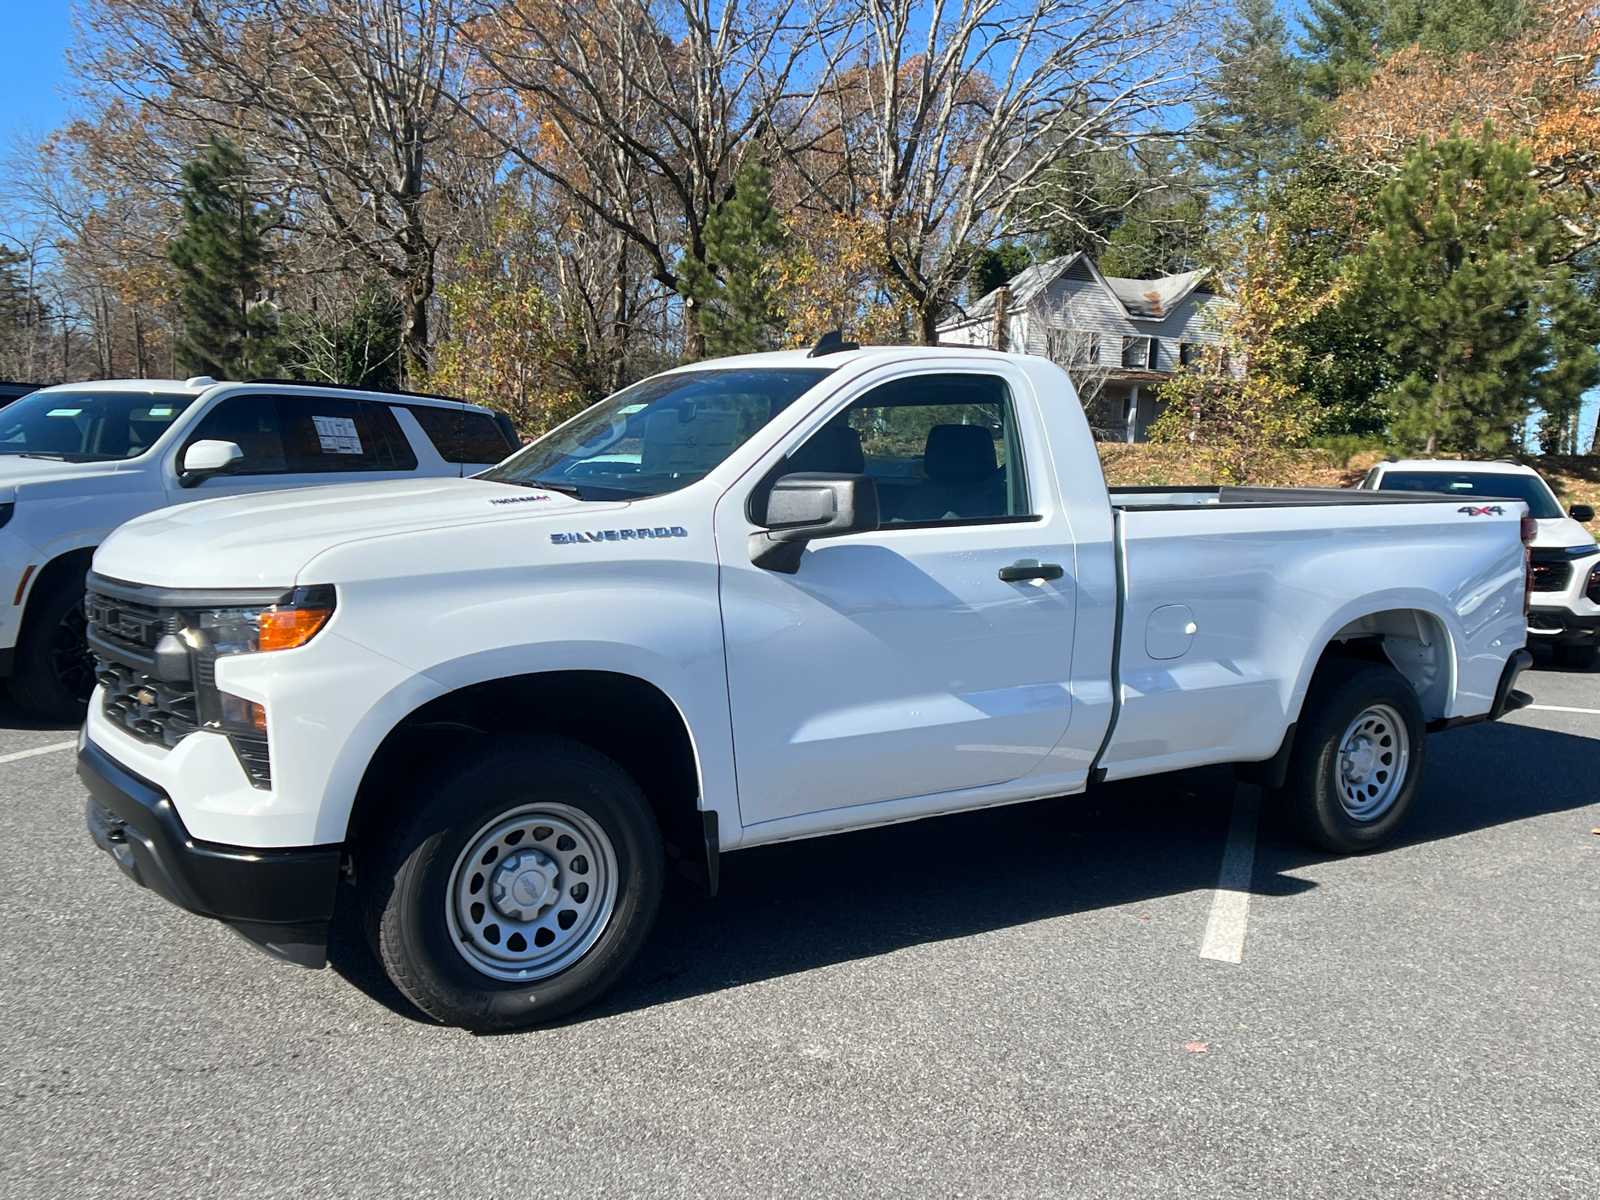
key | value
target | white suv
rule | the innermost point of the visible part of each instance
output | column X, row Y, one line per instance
column 1565, row 601
column 79, row 459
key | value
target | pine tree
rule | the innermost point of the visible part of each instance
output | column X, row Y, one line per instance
column 1481, row 319
column 1262, row 110
column 1342, row 39
column 733, row 287
column 221, row 258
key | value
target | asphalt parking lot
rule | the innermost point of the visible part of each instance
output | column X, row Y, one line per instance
column 1010, row 1003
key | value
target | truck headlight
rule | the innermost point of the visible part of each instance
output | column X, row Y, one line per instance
column 283, row 626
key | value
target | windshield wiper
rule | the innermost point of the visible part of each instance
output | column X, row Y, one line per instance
column 566, row 489
column 41, row 454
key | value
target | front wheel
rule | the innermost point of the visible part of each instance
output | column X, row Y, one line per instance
column 521, row 884
column 1358, row 758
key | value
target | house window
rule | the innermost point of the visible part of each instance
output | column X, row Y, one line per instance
column 1139, row 352
column 1188, row 354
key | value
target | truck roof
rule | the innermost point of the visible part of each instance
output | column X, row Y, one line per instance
column 1457, row 465
column 839, row 358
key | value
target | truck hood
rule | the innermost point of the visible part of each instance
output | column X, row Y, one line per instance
column 17, row 472
column 1556, row 533
column 265, row 538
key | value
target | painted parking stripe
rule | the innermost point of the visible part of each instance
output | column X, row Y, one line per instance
column 1593, row 712
column 37, row 750
column 1230, row 907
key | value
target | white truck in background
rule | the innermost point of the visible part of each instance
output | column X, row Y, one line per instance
column 746, row 601
column 1564, row 595
column 79, row 459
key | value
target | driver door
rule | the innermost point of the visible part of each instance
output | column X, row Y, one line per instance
column 898, row 663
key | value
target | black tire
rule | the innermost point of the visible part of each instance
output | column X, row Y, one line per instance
column 409, row 883
column 1576, row 656
column 1324, row 792
column 53, row 675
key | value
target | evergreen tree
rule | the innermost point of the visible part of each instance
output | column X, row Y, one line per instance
column 221, row 258
column 1262, row 108
column 996, row 265
column 1342, row 39
column 363, row 350
column 734, row 288
column 1480, row 318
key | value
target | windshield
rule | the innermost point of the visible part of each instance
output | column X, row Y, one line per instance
column 88, row 426
column 659, row 435
column 1478, row 485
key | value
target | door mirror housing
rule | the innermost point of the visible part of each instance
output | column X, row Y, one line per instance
column 204, row 459
column 808, row 505
column 1581, row 512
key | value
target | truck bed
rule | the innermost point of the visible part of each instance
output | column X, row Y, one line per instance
column 1226, row 496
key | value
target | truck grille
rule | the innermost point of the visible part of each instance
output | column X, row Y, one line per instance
column 148, row 708
column 135, row 627
column 1551, row 576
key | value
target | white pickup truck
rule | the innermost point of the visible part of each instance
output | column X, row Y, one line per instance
column 747, row 601
column 79, row 459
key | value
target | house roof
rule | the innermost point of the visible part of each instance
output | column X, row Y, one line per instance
column 1139, row 299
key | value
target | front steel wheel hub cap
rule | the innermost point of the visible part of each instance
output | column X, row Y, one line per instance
column 531, row 892
column 525, row 885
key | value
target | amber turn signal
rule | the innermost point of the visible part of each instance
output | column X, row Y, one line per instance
column 286, row 628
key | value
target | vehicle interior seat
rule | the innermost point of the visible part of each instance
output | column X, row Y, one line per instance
column 963, row 479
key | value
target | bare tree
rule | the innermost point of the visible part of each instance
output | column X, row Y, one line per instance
column 640, row 112
column 957, row 109
column 348, row 102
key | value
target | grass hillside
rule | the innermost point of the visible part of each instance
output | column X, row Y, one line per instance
column 1576, row 479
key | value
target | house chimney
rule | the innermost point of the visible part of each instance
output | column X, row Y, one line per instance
column 1002, row 310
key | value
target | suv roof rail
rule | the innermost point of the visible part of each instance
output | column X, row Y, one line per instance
column 357, row 387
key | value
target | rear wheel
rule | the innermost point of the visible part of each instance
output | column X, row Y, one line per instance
column 520, row 885
column 1358, row 758
column 1576, row 656
column 53, row 674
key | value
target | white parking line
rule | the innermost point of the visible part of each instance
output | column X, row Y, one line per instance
column 1230, row 907
column 37, row 750
column 1593, row 712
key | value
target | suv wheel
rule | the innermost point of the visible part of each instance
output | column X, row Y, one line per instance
column 53, row 675
column 519, row 886
column 1358, row 758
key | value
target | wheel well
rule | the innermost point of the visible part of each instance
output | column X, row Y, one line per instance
column 1407, row 639
column 73, row 562
column 630, row 721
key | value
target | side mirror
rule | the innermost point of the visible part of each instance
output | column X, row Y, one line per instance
column 809, row 505
column 204, row 459
column 1581, row 512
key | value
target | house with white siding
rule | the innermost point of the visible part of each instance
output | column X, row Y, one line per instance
column 1120, row 339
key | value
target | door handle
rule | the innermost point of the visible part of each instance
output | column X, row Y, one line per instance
column 1027, row 568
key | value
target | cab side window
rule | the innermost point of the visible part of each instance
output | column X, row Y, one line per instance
column 302, row 435
column 252, row 423
column 943, row 450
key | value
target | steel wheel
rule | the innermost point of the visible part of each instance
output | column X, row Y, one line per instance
column 1373, row 755
column 69, row 654
column 531, row 892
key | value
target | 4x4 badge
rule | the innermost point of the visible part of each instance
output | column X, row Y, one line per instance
column 1486, row 510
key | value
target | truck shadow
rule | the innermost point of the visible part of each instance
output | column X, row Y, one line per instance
column 805, row 905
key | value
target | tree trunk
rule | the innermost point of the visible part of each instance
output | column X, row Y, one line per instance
column 694, row 341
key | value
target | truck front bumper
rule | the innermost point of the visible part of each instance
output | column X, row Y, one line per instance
column 280, row 899
column 1562, row 624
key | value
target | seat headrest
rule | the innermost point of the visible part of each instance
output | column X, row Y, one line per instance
column 959, row 454
column 835, row 448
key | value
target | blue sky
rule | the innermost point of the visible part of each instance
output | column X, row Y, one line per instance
column 36, row 34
